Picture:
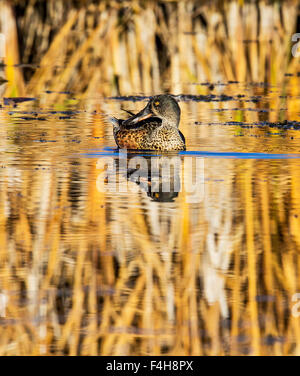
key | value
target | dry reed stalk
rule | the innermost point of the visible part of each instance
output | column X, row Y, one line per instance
column 136, row 63
column 9, row 29
column 253, row 312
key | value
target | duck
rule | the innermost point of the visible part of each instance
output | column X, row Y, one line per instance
column 155, row 127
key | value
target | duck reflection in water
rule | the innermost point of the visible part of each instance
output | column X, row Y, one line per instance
column 157, row 175
column 162, row 176
column 160, row 179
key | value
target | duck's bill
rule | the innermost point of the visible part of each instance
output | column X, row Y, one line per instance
column 142, row 115
column 140, row 118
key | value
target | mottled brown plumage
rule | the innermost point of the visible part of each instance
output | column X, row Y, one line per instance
column 153, row 128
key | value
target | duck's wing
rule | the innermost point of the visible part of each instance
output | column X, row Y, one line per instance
column 120, row 124
column 128, row 112
column 147, row 123
column 181, row 136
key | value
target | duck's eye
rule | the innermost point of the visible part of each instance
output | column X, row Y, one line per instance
column 156, row 103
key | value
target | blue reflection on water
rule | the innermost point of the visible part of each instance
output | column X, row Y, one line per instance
column 107, row 151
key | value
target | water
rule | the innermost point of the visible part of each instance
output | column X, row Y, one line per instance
column 202, row 258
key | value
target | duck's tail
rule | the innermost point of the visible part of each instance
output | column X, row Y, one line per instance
column 115, row 122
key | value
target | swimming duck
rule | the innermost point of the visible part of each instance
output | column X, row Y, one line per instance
column 153, row 128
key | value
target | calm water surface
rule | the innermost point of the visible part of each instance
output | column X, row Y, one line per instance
column 98, row 260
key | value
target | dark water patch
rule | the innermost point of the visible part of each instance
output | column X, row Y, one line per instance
column 236, row 123
column 270, row 339
column 34, row 113
column 181, row 97
column 255, row 99
column 205, row 98
column 284, row 125
column 43, row 115
column 42, row 140
column 131, row 98
column 65, row 112
column 210, row 83
column 30, row 118
column 16, row 100
column 42, row 168
column 195, row 98
column 245, row 109
column 73, row 140
column 58, row 92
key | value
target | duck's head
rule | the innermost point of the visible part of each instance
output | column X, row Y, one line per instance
column 164, row 107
